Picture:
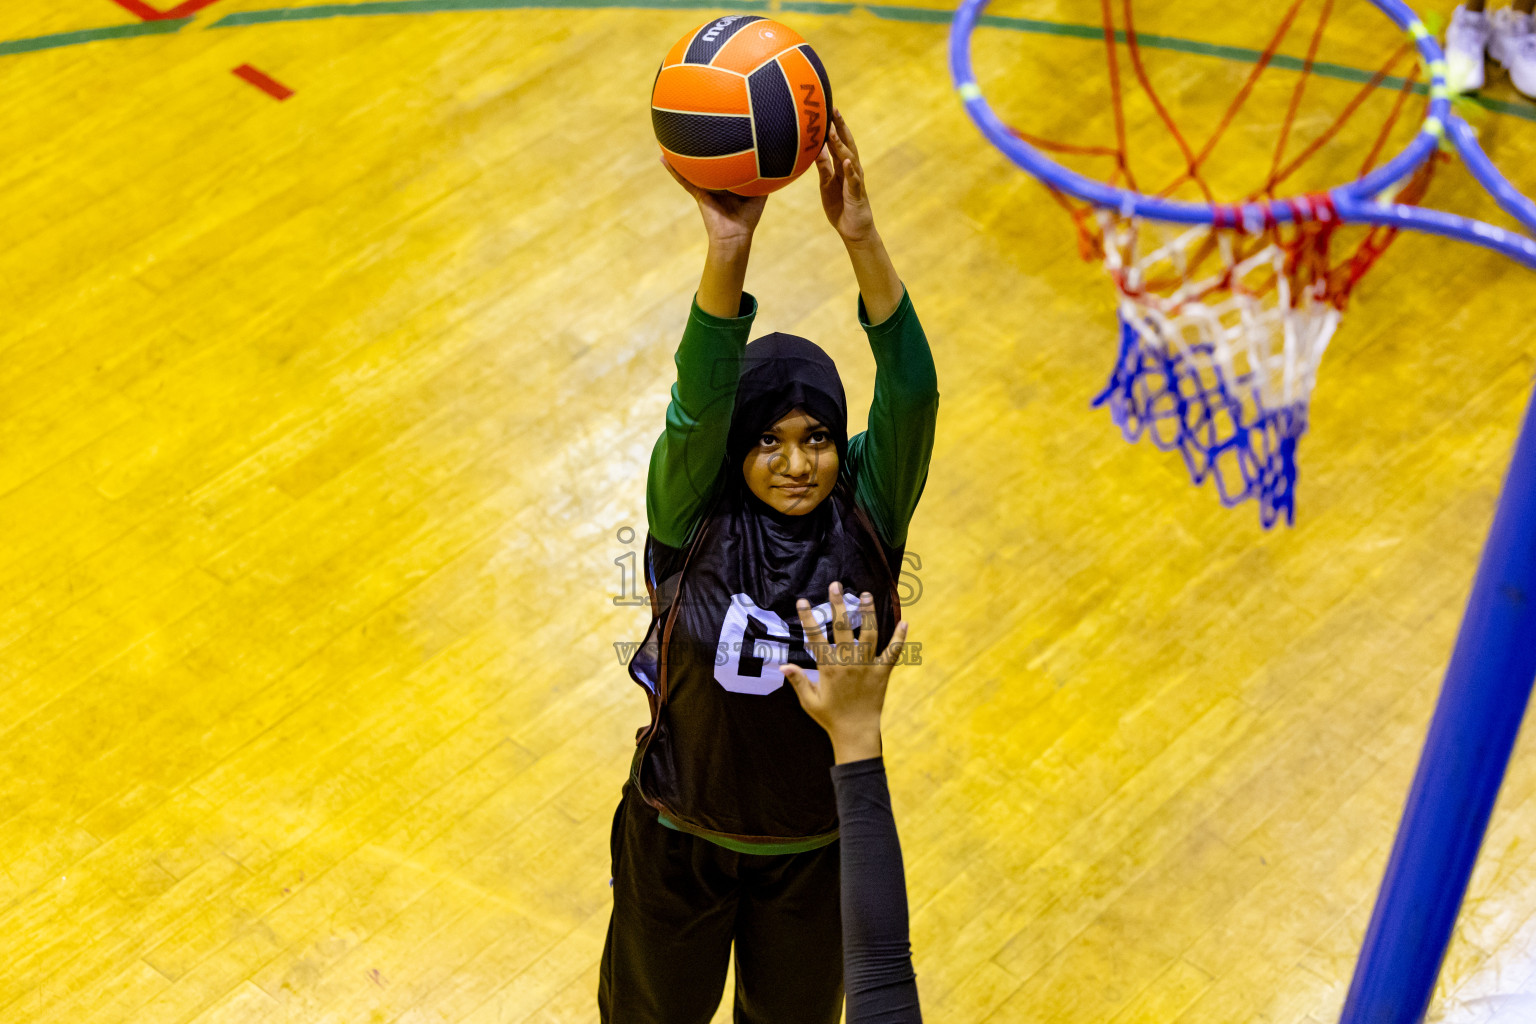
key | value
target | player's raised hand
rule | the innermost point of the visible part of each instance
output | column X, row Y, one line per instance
column 847, row 698
column 844, row 198
column 727, row 217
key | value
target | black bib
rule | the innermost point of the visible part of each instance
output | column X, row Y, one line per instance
column 729, row 752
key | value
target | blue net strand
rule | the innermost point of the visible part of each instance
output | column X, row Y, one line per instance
column 1184, row 401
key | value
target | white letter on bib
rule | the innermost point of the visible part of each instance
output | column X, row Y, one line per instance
column 756, row 641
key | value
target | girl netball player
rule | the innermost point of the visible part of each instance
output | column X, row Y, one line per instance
column 726, row 831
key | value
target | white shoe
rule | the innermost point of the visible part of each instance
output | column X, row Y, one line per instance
column 1465, row 41
column 1505, row 25
column 1513, row 44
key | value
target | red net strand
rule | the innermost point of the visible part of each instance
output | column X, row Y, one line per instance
column 1122, row 160
column 1403, row 93
column 1296, row 94
column 1064, row 147
column 1227, row 117
column 1191, row 166
column 1366, row 90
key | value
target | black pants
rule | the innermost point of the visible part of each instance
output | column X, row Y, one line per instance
column 679, row 901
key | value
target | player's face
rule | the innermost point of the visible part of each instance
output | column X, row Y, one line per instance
column 793, row 465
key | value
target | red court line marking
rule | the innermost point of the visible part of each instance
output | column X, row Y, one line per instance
column 271, row 86
column 140, row 9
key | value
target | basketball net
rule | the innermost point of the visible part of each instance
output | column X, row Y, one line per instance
column 1222, row 326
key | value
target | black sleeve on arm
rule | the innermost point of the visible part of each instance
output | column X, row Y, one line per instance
column 877, row 949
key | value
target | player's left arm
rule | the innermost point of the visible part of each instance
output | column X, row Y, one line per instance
column 890, row 459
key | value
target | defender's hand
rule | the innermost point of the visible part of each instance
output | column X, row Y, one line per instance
column 850, row 692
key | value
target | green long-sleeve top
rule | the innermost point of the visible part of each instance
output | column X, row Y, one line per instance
column 886, row 465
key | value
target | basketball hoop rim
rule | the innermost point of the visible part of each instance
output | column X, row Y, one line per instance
column 1353, row 202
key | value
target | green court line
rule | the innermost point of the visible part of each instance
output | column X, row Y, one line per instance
column 319, row 12
column 91, row 35
column 925, row 15
column 1240, row 54
column 814, row 7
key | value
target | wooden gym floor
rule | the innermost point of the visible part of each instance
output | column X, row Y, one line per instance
column 325, row 425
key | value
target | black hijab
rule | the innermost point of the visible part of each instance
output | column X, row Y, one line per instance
column 781, row 372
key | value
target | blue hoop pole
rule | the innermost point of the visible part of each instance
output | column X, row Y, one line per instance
column 1487, row 687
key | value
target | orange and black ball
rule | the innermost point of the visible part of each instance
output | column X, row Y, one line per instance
column 741, row 103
